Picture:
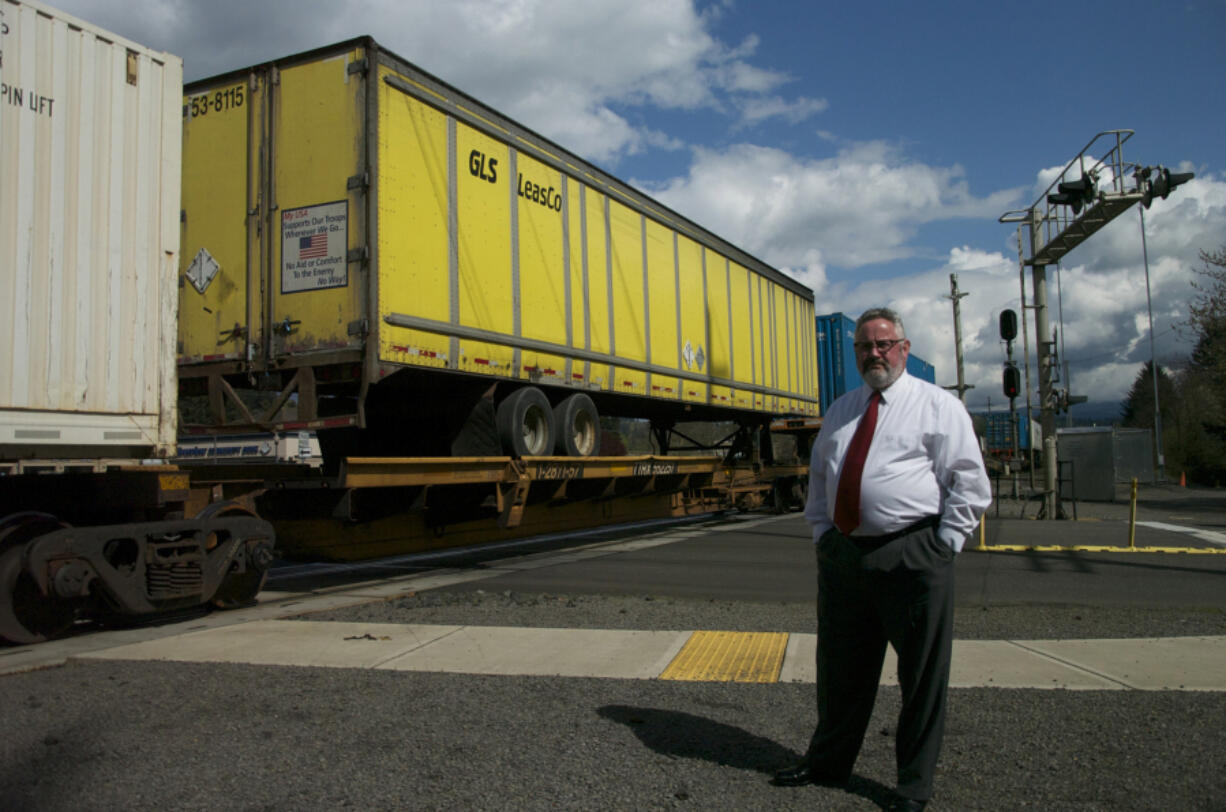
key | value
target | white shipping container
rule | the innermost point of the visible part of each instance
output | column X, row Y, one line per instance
column 90, row 148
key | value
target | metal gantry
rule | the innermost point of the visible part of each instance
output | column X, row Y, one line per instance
column 1088, row 194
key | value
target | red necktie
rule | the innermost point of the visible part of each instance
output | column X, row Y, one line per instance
column 847, row 499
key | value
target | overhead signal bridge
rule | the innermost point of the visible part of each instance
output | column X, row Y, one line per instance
column 1088, row 194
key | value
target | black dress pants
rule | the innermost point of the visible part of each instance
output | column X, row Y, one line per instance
column 900, row 593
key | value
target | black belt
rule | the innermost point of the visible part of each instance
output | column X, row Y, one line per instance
column 870, row 543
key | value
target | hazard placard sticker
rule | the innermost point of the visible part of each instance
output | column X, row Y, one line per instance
column 202, row 270
column 313, row 245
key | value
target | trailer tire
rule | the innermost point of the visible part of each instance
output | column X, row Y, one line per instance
column 577, row 426
column 525, row 423
column 26, row 615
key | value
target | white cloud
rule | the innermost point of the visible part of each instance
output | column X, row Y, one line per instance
column 738, row 75
column 758, row 109
column 592, row 76
column 571, row 71
column 1105, row 314
column 965, row 258
column 862, row 206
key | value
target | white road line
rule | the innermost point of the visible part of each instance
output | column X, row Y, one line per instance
column 1211, row 536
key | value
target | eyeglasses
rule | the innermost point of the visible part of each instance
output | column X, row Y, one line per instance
column 881, row 346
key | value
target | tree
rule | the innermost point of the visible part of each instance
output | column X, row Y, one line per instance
column 1207, row 313
column 1199, row 441
column 1202, row 387
column 1137, row 410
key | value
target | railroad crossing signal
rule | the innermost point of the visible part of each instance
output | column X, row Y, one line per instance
column 1008, row 331
column 1012, row 381
column 1161, row 184
column 1075, row 193
column 1008, row 325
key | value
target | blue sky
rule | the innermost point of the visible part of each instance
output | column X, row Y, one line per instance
column 866, row 148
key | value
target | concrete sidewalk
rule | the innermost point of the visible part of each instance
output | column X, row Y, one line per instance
column 1182, row 663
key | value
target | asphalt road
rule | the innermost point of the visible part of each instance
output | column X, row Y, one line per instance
column 109, row 735
column 709, row 580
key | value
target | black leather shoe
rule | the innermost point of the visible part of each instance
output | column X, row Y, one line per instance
column 907, row 805
column 803, row 773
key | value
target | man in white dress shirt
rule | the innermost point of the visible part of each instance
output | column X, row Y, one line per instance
column 886, row 537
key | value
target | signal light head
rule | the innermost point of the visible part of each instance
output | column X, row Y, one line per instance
column 1163, row 183
column 1012, row 381
column 1065, row 200
column 1008, row 325
column 1074, row 193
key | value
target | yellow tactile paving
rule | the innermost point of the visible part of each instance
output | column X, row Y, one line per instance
column 729, row 657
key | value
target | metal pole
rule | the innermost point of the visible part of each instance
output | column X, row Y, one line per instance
column 1067, row 378
column 1153, row 360
column 1132, row 516
column 1047, row 416
column 1021, row 277
column 1042, row 329
column 953, row 294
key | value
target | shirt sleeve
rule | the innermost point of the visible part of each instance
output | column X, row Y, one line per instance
column 816, row 513
column 959, row 468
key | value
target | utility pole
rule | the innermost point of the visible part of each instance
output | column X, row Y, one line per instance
column 955, row 295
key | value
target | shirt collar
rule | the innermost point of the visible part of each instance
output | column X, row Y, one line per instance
column 900, row 385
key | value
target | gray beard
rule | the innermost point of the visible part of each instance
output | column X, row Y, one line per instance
column 879, row 377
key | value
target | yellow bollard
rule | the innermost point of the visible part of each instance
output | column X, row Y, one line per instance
column 983, row 533
column 1132, row 517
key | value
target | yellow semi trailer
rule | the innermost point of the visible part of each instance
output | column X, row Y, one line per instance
column 411, row 273
column 357, row 249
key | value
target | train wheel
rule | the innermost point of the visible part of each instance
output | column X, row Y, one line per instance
column 26, row 614
column 525, row 423
column 578, row 426
column 237, row 589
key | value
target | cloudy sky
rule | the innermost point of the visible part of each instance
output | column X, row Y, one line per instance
column 867, row 148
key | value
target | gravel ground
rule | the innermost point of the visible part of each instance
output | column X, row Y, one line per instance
column 145, row 736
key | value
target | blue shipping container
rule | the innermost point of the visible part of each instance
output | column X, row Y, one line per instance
column 921, row 369
column 836, row 359
column 999, row 432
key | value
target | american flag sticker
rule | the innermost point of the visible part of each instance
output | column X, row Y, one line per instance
column 313, row 247
column 313, row 243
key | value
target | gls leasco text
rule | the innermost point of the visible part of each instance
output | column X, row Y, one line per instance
column 485, row 168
